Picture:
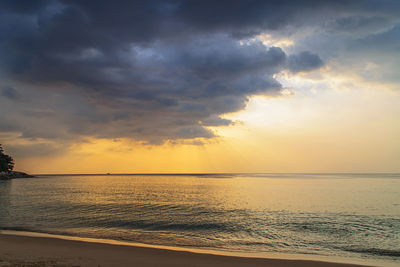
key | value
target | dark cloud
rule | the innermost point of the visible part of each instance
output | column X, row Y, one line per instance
column 22, row 6
column 10, row 93
column 358, row 24
column 304, row 61
column 384, row 42
column 151, row 70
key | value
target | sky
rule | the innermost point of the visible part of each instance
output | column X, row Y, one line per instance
column 178, row 86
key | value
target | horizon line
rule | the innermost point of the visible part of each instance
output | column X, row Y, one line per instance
column 204, row 173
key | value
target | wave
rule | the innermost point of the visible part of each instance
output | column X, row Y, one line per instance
column 375, row 251
column 166, row 226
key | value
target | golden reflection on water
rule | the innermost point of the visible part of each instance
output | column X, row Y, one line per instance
column 336, row 215
column 366, row 196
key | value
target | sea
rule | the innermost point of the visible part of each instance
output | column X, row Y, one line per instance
column 352, row 217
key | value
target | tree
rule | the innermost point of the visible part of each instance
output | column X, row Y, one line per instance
column 6, row 162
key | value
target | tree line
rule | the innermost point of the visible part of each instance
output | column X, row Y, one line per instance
column 6, row 161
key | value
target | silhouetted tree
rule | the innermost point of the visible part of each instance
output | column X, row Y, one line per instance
column 6, row 162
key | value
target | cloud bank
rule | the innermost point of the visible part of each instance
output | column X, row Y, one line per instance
column 154, row 70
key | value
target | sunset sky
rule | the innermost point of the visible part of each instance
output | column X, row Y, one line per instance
column 200, row 86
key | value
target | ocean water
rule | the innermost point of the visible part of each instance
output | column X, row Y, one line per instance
column 352, row 216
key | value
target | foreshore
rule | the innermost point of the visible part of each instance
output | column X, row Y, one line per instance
column 22, row 250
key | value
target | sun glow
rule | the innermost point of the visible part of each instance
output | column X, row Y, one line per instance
column 263, row 112
column 269, row 40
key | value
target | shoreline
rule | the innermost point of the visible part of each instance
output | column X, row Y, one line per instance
column 14, row 175
column 54, row 250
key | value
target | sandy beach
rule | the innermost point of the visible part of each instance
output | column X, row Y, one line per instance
column 44, row 251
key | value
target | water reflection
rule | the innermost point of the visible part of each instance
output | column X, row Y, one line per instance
column 323, row 214
column 5, row 188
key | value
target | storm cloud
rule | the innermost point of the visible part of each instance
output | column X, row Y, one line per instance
column 149, row 70
column 10, row 93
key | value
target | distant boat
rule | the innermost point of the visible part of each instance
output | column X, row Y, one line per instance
column 108, row 173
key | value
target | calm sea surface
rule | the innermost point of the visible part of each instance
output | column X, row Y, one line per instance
column 341, row 215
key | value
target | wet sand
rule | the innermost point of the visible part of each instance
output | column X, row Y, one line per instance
column 44, row 251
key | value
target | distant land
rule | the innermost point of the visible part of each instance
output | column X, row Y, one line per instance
column 14, row 175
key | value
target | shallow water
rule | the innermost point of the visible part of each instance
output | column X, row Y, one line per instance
column 341, row 215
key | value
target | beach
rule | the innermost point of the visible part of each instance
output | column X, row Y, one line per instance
column 18, row 250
